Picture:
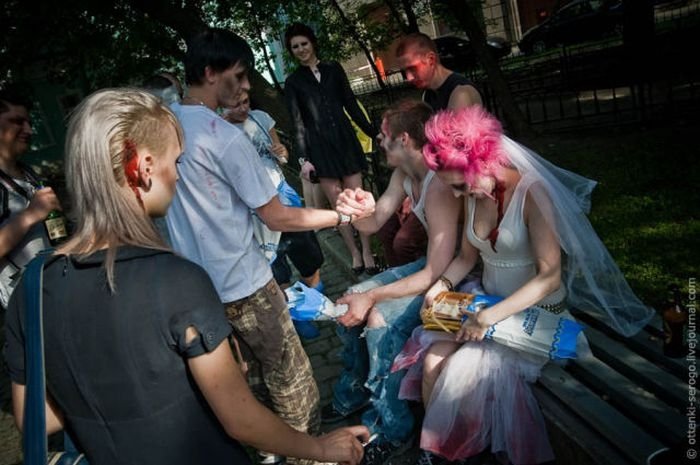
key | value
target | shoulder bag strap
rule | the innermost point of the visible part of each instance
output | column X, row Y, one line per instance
column 35, row 443
column 262, row 128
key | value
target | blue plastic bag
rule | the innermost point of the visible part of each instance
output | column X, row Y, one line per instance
column 307, row 304
column 534, row 330
column 288, row 196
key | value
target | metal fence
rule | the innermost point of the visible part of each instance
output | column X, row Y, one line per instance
column 591, row 84
column 571, row 87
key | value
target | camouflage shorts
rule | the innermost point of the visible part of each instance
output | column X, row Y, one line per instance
column 279, row 372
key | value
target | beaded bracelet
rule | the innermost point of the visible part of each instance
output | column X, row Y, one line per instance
column 447, row 283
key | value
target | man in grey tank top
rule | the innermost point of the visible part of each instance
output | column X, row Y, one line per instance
column 386, row 308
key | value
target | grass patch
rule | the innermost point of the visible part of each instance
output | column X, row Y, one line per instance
column 645, row 207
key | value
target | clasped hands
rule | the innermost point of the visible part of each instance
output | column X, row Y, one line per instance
column 357, row 203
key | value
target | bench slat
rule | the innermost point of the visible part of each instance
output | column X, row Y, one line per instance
column 662, row 384
column 646, row 410
column 570, row 431
column 646, row 344
column 650, row 347
column 630, row 438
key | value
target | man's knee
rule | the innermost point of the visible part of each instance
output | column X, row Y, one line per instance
column 375, row 319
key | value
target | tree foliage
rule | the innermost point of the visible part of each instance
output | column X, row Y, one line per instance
column 98, row 43
column 91, row 44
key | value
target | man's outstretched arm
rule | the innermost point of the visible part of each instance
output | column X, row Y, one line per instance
column 359, row 202
column 442, row 213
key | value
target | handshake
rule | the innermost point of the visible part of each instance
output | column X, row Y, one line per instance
column 356, row 203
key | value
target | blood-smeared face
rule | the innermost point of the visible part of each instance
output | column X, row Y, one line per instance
column 418, row 65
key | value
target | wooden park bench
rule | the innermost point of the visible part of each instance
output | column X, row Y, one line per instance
column 619, row 407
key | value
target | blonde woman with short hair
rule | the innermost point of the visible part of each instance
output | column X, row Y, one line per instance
column 138, row 363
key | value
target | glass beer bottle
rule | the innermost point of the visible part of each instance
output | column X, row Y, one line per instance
column 675, row 320
column 55, row 224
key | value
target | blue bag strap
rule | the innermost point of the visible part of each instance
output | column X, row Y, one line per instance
column 262, row 128
column 35, row 443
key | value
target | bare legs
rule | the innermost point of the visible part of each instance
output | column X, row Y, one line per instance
column 313, row 196
column 433, row 364
column 332, row 188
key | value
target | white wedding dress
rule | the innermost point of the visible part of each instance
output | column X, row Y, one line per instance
column 483, row 397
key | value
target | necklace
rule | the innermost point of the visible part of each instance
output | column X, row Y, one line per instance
column 193, row 100
column 314, row 69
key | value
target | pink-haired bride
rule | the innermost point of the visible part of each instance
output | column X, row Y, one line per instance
column 526, row 219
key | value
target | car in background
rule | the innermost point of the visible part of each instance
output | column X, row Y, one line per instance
column 575, row 22
column 457, row 53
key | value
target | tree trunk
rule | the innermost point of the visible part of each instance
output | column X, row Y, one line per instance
column 187, row 21
column 410, row 16
column 356, row 36
column 397, row 16
column 266, row 57
column 514, row 118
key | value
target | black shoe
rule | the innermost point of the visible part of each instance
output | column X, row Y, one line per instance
column 428, row 458
column 329, row 414
column 372, row 270
column 358, row 270
column 379, row 453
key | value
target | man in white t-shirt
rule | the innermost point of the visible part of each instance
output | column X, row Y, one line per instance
column 221, row 178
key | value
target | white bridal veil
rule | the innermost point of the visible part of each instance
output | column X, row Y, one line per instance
column 593, row 281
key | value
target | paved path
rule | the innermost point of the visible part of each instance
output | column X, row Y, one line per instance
column 10, row 440
column 324, row 351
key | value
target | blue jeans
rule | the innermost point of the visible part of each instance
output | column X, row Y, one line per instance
column 368, row 354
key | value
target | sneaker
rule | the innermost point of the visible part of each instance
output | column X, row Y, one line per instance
column 429, row 458
column 379, row 453
column 329, row 414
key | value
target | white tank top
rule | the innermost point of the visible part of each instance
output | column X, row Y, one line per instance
column 418, row 206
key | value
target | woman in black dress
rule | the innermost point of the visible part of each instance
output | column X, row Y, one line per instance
column 318, row 96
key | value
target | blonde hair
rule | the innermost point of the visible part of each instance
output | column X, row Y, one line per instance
column 102, row 130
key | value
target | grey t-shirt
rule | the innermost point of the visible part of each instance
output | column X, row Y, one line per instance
column 221, row 179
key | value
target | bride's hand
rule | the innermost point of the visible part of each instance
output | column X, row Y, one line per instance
column 474, row 328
